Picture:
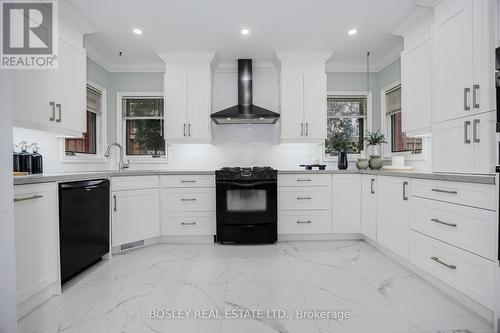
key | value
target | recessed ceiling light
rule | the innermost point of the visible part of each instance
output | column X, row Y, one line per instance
column 228, row 118
column 137, row 31
column 352, row 32
column 245, row 32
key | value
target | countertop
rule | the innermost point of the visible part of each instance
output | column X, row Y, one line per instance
column 75, row 176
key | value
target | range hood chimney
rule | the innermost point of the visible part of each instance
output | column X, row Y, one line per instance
column 245, row 112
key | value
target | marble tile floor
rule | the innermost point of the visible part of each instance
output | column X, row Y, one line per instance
column 349, row 278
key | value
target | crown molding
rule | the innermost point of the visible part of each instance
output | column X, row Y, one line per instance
column 411, row 21
column 301, row 56
column 177, row 57
column 73, row 17
column 231, row 66
column 375, row 67
column 132, row 68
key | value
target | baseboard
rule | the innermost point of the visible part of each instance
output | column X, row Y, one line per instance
column 450, row 292
column 36, row 300
column 186, row 239
column 318, row 237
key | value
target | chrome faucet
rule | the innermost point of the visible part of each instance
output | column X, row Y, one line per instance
column 122, row 165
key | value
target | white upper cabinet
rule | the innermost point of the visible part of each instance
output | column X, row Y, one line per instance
column 416, row 80
column 53, row 100
column 303, row 97
column 188, row 96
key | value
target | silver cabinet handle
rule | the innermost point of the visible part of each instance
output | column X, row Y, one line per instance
column 443, row 191
column 303, row 180
column 304, row 222
column 189, row 129
column 307, row 129
column 184, row 131
column 475, row 129
column 59, row 109
column 372, row 190
column 114, row 203
column 304, row 198
column 405, row 197
column 466, row 99
column 466, row 132
column 475, row 89
column 188, row 199
column 188, row 223
column 33, row 197
column 442, row 222
column 301, row 129
column 53, row 111
column 436, row 259
column 188, row 181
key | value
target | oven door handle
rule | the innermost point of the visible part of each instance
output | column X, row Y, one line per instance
column 249, row 184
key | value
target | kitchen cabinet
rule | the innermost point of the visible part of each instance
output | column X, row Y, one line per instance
column 393, row 214
column 53, row 100
column 303, row 98
column 346, row 204
column 369, row 206
column 188, row 92
column 36, row 242
column 135, row 215
column 463, row 52
column 465, row 145
column 416, row 80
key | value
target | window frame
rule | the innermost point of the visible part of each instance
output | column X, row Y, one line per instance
column 98, row 157
column 367, row 126
column 387, row 153
column 120, row 127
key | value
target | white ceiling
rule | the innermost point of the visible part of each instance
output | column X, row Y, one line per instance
column 214, row 25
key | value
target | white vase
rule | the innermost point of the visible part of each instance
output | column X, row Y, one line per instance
column 375, row 150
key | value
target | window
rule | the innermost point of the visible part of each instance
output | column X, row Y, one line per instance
column 89, row 142
column 143, row 120
column 399, row 142
column 346, row 120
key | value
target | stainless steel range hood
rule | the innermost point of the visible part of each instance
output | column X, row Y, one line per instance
column 245, row 112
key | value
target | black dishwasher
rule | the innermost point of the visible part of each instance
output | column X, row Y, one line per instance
column 83, row 225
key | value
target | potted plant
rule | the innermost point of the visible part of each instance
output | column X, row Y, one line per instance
column 375, row 139
column 339, row 143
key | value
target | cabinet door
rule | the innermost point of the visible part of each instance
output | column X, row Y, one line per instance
column 369, row 206
column 452, row 149
column 176, row 106
column 393, row 214
column 136, row 215
column 69, row 90
column 483, row 138
column 417, row 89
column 453, row 59
column 292, row 106
column 346, row 204
column 199, row 91
column 37, row 236
column 315, row 107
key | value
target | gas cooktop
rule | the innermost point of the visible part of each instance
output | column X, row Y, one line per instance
column 246, row 173
column 255, row 168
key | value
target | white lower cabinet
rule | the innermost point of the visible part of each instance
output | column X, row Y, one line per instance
column 188, row 223
column 36, row 242
column 136, row 215
column 393, row 214
column 305, row 222
column 346, row 204
column 369, row 206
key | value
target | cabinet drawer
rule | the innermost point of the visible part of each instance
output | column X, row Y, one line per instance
column 304, row 222
column 466, row 272
column 187, row 223
column 301, row 198
column 134, row 183
column 305, row 180
column 471, row 229
column 188, row 199
column 476, row 195
column 187, row 181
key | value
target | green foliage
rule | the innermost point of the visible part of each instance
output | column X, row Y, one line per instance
column 339, row 142
column 375, row 138
column 148, row 136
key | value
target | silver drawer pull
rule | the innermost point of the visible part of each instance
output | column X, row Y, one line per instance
column 303, row 222
column 28, row 198
column 188, row 199
column 188, row 181
column 442, row 222
column 436, row 259
column 444, row 191
column 303, row 180
column 188, row 223
column 304, row 198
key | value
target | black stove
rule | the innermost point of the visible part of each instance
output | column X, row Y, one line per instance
column 247, row 204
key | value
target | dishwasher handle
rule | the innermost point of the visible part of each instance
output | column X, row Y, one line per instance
column 84, row 184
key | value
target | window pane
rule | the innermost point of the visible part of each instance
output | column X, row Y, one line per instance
column 340, row 129
column 346, row 106
column 144, row 137
column 88, row 144
column 399, row 141
column 143, row 107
